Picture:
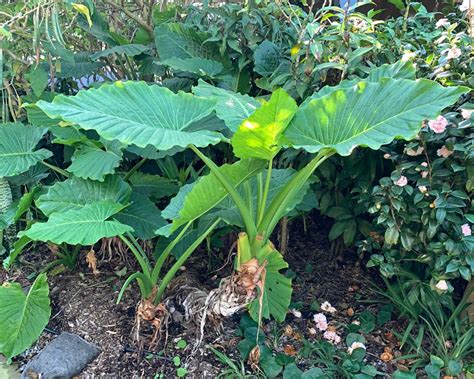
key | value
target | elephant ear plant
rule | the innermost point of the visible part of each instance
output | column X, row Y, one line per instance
column 336, row 122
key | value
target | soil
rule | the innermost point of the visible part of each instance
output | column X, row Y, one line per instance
column 85, row 304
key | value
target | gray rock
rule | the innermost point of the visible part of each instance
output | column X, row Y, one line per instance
column 64, row 357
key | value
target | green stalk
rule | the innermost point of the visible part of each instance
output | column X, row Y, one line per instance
column 162, row 258
column 172, row 272
column 143, row 264
column 135, row 168
column 263, row 203
column 286, row 194
column 244, row 211
column 57, row 169
column 143, row 282
column 259, row 194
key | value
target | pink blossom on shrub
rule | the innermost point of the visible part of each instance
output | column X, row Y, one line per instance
column 439, row 125
column 466, row 113
column 444, row 152
column 466, row 230
column 414, row 153
column 402, row 182
column 442, row 22
column 453, row 53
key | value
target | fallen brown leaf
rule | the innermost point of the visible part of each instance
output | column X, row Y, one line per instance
column 350, row 312
column 288, row 331
column 289, row 350
column 92, row 262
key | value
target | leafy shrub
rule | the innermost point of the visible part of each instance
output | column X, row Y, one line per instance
column 423, row 210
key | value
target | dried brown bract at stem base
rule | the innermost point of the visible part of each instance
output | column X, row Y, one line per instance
column 234, row 293
column 254, row 358
column 156, row 315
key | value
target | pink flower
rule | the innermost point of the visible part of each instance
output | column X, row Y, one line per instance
column 444, row 152
column 414, row 153
column 327, row 307
column 424, row 174
column 386, row 156
column 332, row 337
column 438, row 125
column 424, row 164
column 402, row 182
column 466, row 113
column 442, row 22
column 321, row 321
column 466, row 230
column 454, row 52
column 296, row 313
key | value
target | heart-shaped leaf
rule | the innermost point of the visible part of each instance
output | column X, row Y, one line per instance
column 368, row 114
column 139, row 114
column 22, row 316
column 17, row 148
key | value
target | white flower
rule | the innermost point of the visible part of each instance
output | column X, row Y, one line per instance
column 442, row 22
column 402, row 182
column 355, row 345
column 296, row 313
column 327, row 307
column 386, row 156
column 422, row 189
column 332, row 337
column 356, row 322
column 466, row 230
column 408, row 55
column 442, row 285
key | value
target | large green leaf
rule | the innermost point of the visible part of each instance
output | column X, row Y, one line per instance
column 398, row 70
column 84, row 226
column 22, row 316
column 76, row 193
column 17, row 148
column 277, row 290
column 208, row 191
column 138, row 113
column 130, row 50
column 153, row 186
column 368, row 114
column 260, row 135
column 175, row 40
column 199, row 66
column 232, row 107
column 143, row 216
column 92, row 162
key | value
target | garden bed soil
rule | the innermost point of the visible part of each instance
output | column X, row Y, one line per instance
column 85, row 304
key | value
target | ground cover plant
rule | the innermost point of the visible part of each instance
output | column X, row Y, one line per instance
column 145, row 136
